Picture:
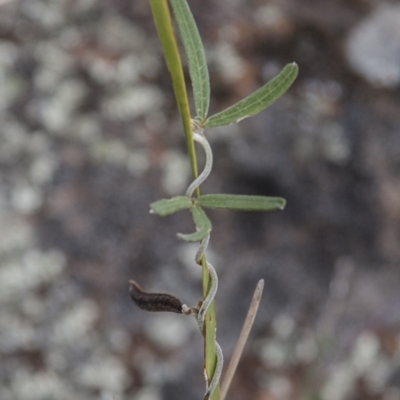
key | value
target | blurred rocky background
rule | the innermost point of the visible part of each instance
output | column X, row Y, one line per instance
column 89, row 136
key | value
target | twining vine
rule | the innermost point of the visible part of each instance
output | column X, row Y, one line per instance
column 168, row 302
column 193, row 201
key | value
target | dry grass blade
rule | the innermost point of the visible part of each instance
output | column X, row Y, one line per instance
column 248, row 323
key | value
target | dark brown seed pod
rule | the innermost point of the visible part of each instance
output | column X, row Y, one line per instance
column 154, row 301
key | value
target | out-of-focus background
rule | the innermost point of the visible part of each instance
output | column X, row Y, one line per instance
column 90, row 135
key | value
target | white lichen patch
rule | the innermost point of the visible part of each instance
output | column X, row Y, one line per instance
column 15, row 235
column 26, row 198
column 119, row 340
column 38, row 386
column 306, row 349
column 55, row 61
column 128, row 70
column 49, row 16
column 9, row 53
column 29, row 272
column 33, row 307
column 365, row 352
column 186, row 256
column 176, row 172
column 379, row 373
column 87, row 129
column 340, row 384
column 148, row 393
column 335, row 145
column 42, row 169
column 157, row 369
column 75, row 323
column 270, row 16
column 10, row 83
column 138, row 162
column 132, row 102
column 56, row 110
column 168, row 331
column 110, row 151
column 374, row 45
column 274, row 353
column 53, row 115
column 14, row 138
column 283, row 326
column 16, row 334
column 280, row 387
column 230, row 65
column 104, row 372
column 83, row 5
column 119, row 34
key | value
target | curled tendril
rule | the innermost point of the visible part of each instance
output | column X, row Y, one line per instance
column 199, row 138
column 202, row 313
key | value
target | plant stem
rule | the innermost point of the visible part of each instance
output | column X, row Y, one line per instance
column 210, row 321
column 162, row 19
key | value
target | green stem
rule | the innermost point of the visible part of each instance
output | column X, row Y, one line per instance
column 162, row 19
column 210, row 322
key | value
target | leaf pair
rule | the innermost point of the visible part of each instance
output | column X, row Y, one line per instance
column 170, row 206
column 251, row 105
column 220, row 201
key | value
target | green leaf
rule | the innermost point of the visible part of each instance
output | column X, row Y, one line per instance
column 169, row 206
column 203, row 225
column 258, row 100
column 195, row 55
column 241, row 202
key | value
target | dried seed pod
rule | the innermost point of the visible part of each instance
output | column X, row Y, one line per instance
column 154, row 301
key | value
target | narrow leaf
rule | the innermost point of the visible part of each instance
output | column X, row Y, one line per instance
column 195, row 55
column 169, row 206
column 203, row 225
column 258, row 100
column 241, row 202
